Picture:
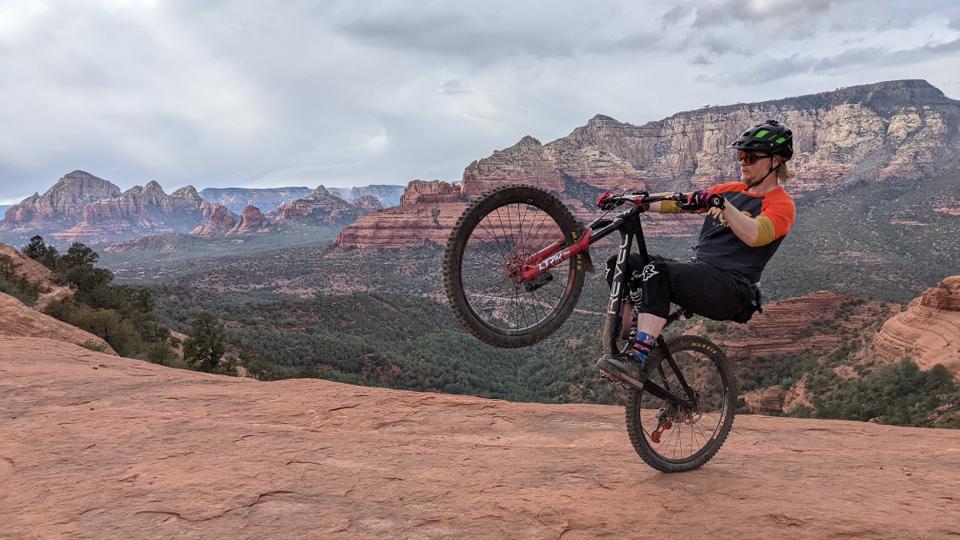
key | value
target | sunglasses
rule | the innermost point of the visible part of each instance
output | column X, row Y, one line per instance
column 750, row 158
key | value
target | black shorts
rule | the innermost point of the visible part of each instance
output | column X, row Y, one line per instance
column 695, row 286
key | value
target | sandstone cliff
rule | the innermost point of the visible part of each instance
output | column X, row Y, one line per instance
column 60, row 206
column 814, row 324
column 388, row 195
column 114, row 447
column 427, row 212
column 428, row 192
column 138, row 211
column 870, row 132
column 218, row 220
column 864, row 133
column 251, row 221
column 368, row 203
column 928, row 331
column 320, row 206
column 236, row 199
column 402, row 226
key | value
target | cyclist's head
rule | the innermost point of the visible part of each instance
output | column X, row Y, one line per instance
column 770, row 139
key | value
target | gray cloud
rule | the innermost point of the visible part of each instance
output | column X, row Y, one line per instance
column 301, row 92
column 675, row 14
column 786, row 11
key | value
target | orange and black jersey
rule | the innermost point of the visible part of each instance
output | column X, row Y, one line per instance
column 721, row 248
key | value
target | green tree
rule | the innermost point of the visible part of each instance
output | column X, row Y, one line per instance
column 204, row 344
column 77, row 267
column 39, row 251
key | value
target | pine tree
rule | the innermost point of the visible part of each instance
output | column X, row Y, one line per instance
column 204, row 344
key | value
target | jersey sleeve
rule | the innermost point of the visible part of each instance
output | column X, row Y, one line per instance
column 775, row 219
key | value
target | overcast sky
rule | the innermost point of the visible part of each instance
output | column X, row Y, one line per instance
column 258, row 93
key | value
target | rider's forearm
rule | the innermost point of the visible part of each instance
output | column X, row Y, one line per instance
column 745, row 227
column 664, row 207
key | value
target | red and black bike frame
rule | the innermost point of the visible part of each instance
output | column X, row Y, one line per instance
column 628, row 224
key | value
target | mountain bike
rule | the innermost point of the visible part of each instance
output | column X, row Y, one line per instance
column 513, row 270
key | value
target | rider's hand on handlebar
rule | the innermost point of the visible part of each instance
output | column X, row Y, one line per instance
column 701, row 200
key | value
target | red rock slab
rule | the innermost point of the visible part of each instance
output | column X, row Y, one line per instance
column 96, row 446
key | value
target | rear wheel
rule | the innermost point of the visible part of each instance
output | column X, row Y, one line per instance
column 674, row 438
column 497, row 232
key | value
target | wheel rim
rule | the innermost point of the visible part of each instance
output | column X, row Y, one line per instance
column 506, row 236
column 684, row 434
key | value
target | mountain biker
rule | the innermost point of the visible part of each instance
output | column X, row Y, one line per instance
column 745, row 223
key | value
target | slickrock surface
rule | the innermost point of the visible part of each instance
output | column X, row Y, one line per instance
column 17, row 319
column 928, row 331
column 111, row 447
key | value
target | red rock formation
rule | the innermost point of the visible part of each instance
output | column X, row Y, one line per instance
column 402, row 226
column 522, row 163
column 251, row 221
column 184, row 453
column 138, row 211
column 434, row 191
column 928, row 331
column 61, row 205
column 320, row 206
column 896, row 128
column 219, row 220
column 815, row 324
column 368, row 203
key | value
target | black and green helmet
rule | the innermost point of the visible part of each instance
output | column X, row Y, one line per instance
column 770, row 137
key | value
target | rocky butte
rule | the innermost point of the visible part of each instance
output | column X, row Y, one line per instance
column 320, row 206
column 893, row 129
column 60, row 206
column 251, row 221
column 139, row 211
column 218, row 220
column 427, row 212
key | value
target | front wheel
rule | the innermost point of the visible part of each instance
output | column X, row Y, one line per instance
column 495, row 234
column 671, row 437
